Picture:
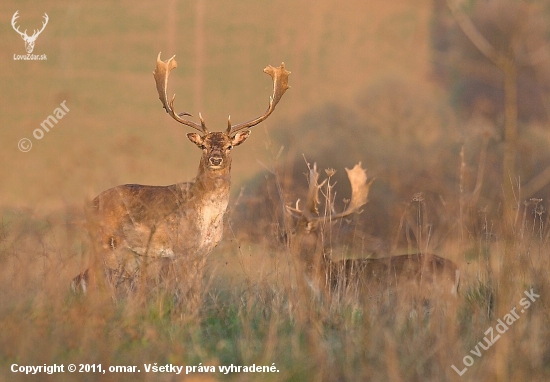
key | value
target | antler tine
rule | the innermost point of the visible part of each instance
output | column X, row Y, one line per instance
column 35, row 32
column 44, row 23
column 359, row 190
column 161, row 73
column 295, row 211
column 280, row 85
column 310, row 212
column 312, row 200
column 16, row 28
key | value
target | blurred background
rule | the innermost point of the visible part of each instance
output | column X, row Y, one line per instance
column 446, row 106
column 396, row 85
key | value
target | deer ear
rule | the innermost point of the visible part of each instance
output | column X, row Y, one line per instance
column 196, row 139
column 240, row 137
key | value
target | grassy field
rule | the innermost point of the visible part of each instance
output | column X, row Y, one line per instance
column 361, row 90
column 254, row 310
column 101, row 57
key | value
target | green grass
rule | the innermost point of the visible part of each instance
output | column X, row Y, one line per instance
column 263, row 319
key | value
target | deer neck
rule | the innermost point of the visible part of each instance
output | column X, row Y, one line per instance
column 315, row 263
column 212, row 183
column 208, row 199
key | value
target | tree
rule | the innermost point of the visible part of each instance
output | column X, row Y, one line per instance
column 511, row 39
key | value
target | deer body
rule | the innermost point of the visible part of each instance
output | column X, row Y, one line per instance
column 426, row 274
column 154, row 221
column 137, row 228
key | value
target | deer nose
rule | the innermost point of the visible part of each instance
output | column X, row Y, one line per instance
column 215, row 161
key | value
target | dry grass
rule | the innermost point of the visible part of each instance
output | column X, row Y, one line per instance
column 254, row 310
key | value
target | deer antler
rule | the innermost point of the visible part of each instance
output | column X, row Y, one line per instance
column 280, row 85
column 359, row 194
column 359, row 190
column 15, row 17
column 24, row 34
column 312, row 200
column 36, row 33
column 161, row 73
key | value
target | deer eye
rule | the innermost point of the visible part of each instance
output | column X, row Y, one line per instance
column 229, row 147
column 203, row 147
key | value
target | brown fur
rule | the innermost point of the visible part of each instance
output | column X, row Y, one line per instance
column 144, row 231
column 133, row 224
column 424, row 274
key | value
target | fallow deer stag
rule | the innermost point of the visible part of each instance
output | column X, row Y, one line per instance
column 137, row 227
column 365, row 278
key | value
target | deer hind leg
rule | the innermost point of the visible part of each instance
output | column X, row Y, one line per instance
column 117, row 264
column 84, row 280
column 79, row 284
column 454, row 289
column 121, row 268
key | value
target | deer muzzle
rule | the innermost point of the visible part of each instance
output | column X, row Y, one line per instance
column 215, row 161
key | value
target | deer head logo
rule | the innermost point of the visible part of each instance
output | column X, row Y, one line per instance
column 29, row 40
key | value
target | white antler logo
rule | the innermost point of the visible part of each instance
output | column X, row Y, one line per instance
column 29, row 40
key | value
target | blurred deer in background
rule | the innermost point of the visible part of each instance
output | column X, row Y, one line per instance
column 365, row 278
column 139, row 228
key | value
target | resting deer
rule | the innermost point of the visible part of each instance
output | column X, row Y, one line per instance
column 368, row 278
column 136, row 226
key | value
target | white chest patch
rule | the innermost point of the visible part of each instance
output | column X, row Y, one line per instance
column 210, row 222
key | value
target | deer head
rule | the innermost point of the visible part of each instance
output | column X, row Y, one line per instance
column 29, row 40
column 216, row 146
column 305, row 240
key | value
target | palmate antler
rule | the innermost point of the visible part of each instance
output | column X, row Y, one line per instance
column 280, row 85
column 312, row 200
column 162, row 71
column 359, row 195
